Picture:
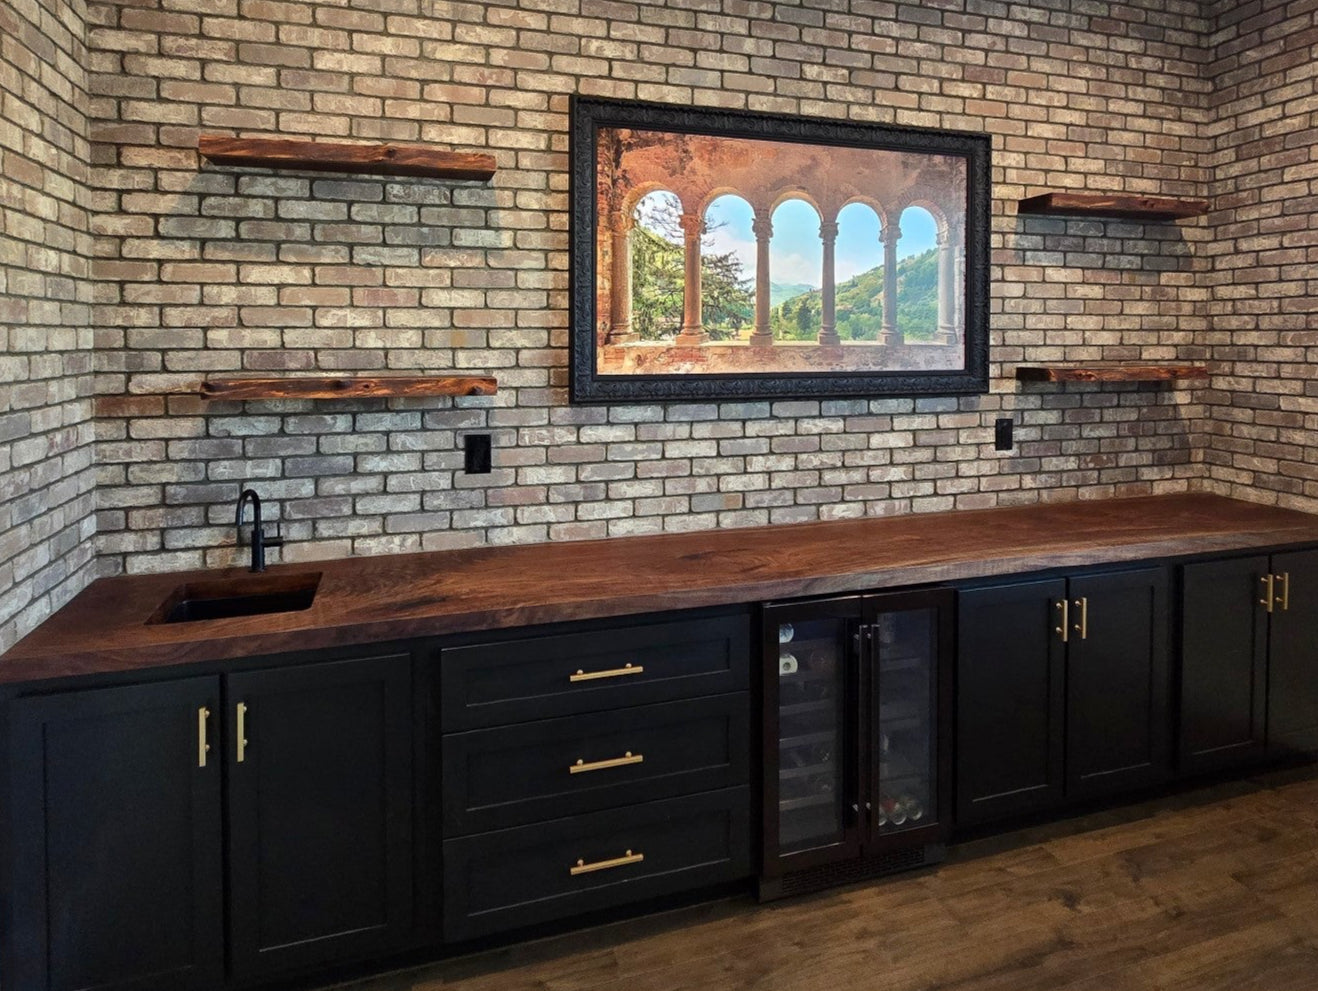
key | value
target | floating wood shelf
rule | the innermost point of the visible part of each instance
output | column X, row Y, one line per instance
column 1101, row 371
column 348, row 387
column 331, row 156
column 1118, row 207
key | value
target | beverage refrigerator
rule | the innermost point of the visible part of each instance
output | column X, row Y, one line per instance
column 857, row 737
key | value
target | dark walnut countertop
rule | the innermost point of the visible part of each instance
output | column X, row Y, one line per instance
column 372, row 599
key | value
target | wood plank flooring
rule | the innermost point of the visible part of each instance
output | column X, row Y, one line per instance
column 1215, row 890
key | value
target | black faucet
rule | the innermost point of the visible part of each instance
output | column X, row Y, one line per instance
column 259, row 540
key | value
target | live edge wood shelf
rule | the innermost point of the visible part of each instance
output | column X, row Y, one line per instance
column 1098, row 371
column 347, row 387
column 1116, row 207
column 327, row 156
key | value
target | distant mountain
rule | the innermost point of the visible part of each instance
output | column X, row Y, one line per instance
column 780, row 292
column 858, row 304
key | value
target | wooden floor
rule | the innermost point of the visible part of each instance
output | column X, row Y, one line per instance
column 1217, row 889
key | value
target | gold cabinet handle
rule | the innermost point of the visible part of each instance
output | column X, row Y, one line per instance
column 1064, row 607
column 581, row 867
column 1266, row 601
column 1082, row 627
column 580, row 767
column 242, row 731
column 626, row 669
column 1285, row 600
column 203, row 748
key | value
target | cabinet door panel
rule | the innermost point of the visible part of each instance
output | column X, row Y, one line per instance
column 1010, row 700
column 1293, row 656
column 1224, row 637
column 320, row 812
column 117, row 876
column 1117, row 676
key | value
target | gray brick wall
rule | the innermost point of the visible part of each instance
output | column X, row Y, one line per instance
column 208, row 270
column 1262, row 436
column 46, row 436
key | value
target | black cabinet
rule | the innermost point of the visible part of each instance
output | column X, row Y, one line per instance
column 1249, row 633
column 856, row 741
column 594, row 768
column 117, row 871
column 1062, row 691
column 119, row 802
column 320, row 812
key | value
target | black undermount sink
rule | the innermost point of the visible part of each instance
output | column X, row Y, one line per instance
column 226, row 598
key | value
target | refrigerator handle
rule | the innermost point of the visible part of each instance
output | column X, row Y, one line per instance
column 861, row 665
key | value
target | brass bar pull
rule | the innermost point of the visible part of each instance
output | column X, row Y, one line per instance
column 626, row 669
column 242, row 731
column 581, row 766
column 1285, row 600
column 1082, row 627
column 203, row 748
column 582, row 867
column 1266, row 601
column 1064, row 606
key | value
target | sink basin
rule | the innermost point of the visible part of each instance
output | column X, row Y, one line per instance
column 227, row 598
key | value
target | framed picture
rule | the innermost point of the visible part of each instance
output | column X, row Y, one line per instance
column 731, row 256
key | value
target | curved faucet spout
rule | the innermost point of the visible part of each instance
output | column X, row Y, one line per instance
column 259, row 540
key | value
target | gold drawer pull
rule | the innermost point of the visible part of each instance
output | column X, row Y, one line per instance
column 605, row 865
column 1268, row 599
column 626, row 669
column 203, row 748
column 599, row 765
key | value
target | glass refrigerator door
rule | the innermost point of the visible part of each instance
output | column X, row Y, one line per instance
column 905, row 649
column 812, row 757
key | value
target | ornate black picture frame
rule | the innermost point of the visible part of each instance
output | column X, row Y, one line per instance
column 729, row 255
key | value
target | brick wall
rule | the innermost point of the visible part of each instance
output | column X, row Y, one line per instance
column 46, row 442
column 1262, row 441
column 211, row 270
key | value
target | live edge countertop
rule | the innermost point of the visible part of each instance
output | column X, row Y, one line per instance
column 374, row 599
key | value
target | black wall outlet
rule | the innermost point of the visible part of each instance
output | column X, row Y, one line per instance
column 476, row 454
column 1002, row 429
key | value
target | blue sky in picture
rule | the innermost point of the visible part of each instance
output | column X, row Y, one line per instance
column 795, row 252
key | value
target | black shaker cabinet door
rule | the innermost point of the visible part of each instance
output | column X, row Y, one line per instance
column 1010, row 700
column 1224, row 664
column 1293, row 655
column 320, row 809
column 1117, row 683
column 117, row 856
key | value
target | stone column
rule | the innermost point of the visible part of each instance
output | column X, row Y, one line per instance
column 946, row 285
column 692, row 330
column 620, row 322
column 828, row 319
column 890, row 235
column 763, row 230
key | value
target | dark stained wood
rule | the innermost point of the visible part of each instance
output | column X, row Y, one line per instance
column 372, row 599
column 389, row 158
column 348, row 387
column 1213, row 891
column 1113, row 206
column 1098, row 371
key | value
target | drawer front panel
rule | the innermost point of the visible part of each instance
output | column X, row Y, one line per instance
column 510, row 775
column 518, row 877
column 539, row 677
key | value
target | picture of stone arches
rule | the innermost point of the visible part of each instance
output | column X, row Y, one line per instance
column 740, row 258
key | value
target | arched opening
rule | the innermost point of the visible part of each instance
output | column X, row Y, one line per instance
column 657, row 274
column 858, row 274
column 727, row 269
column 917, row 277
column 796, row 261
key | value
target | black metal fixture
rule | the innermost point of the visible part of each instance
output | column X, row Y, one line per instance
column 259, row 540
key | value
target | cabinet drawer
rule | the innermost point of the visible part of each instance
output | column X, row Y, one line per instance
column 517, row 877
column 538, row 677
column 551, row 768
